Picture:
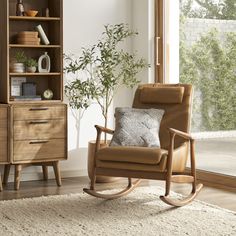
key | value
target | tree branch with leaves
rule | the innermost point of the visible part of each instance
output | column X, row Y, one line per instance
column 102, row 70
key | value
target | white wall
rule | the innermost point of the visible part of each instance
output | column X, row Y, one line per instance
column 83, row 24
column 90, row 18
column 143, row 45
column 173, row 41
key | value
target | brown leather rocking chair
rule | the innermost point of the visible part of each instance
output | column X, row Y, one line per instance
column 169, row 161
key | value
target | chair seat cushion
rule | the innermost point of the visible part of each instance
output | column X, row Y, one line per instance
column 160, row 167
column 138, row 155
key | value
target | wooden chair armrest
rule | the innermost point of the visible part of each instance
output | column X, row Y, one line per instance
column 103, row 129
column 181, row 134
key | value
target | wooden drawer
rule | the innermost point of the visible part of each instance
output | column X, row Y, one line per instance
column 34, row 112
column 3, row 130
column 41, row 150
column 39, row 129
column 3, row 135
column 3, row 113
column 3, row 151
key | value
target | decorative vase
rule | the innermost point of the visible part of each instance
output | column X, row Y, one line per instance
column 18, row 67
column 91, row 152
column 44, row 60
column 31, row 69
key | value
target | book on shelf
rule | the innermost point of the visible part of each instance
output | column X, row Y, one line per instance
column 28, row 38
column 16, row 85
column 30, row 41
column 25, row 37
column 31, row 34
column 27, row 98
column 42, row 35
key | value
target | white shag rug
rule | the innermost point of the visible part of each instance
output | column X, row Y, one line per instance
column 139, row 213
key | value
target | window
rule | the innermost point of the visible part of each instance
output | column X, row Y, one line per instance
column 200, row 48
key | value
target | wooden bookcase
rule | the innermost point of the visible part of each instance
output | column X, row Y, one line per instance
column 32, row 132
column 53, row 27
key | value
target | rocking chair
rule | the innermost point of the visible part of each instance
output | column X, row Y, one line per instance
column 167, row 163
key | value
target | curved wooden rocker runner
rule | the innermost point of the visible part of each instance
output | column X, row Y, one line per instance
column 176, row 143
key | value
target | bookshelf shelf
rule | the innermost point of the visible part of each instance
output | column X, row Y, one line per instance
column 36, row 74
column 28, row 18
column 24, row 93
column 33, row 46
column 36, row 102
column 11, row 26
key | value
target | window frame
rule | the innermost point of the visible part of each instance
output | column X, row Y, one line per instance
column 159, row 41
column 162, row 76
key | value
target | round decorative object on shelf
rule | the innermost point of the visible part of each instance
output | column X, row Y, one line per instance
column 31, row 13
column 48, row 94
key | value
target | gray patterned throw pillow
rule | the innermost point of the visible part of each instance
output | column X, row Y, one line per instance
column 137, row 127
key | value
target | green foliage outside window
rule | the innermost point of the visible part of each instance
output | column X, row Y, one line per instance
column 210, row 65
column 209, row 9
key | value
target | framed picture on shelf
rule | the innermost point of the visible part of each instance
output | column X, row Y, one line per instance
column 16, row 86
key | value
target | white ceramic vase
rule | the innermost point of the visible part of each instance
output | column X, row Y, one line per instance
column 44, row 63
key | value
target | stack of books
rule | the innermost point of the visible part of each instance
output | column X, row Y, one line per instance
column 28, row 38
column 27, row 98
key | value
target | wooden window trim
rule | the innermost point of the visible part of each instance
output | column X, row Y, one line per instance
column 159, row 40
column 227, row 182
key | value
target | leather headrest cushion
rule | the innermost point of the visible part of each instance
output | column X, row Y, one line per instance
column 162, row 95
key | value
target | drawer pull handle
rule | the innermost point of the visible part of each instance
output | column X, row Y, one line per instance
column 38, row 142
column 38, row 122
column 38, row 109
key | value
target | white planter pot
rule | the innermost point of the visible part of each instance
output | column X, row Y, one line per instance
column 91, row 153
column 31, row 69
column 18, row 68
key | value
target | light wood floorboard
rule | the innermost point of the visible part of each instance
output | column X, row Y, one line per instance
column 28, row 189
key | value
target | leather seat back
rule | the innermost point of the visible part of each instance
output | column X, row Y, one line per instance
column 175, row 99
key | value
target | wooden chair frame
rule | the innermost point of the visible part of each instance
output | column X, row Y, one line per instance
column 168, row 176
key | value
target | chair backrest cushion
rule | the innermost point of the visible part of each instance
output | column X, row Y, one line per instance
column 175, row 100
column 162, row 95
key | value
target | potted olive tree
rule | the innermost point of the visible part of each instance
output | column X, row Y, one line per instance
column 105, row 68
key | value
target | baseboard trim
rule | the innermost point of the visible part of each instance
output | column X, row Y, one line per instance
column 30, row 176
column 216, row 180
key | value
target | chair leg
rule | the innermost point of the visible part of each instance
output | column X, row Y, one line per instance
column 193, row 165
column 168, row 184
column 93, row 181
column 57, row 172
column 18, row 169
column 183, row 179
column 45, row 172
column 6, row 173
column 1, row 188
column 169, row 165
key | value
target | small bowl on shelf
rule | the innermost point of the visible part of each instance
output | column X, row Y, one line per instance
column 31, row 13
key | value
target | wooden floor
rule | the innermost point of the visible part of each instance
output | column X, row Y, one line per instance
column 222, row 198
column 215, row 154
